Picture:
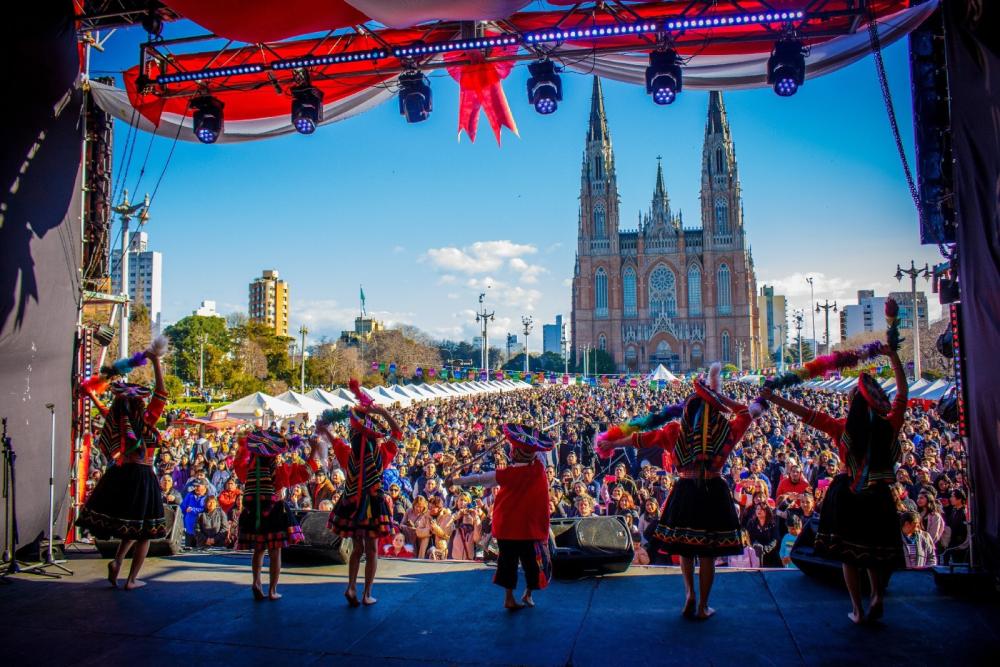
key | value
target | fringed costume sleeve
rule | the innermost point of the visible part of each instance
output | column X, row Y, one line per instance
column 290, row 474
column 155, row 408
column 342, row 451
column 241, row 463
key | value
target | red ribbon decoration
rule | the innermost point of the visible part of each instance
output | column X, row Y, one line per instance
column 481, row 89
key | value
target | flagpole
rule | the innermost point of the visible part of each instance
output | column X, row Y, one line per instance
column 361, row 334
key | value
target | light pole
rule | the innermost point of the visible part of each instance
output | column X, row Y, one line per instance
column 798, row 328
column 913, row 272
column 781, row 342
column 527, row 322
column 201, row 363
column 126, row 210
column 812, row 307
column 739, row 355
column 565, row 352
column 485, row 318
column 826, row 307
column 302, row 383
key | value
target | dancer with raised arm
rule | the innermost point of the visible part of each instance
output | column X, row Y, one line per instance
column 127, row 503
column 520, row 514
column 859, row 525
column 266, row 523
column 699, row 519
column 362, row 512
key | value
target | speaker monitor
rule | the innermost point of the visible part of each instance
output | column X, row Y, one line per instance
column 824, row 569
column 167, row 546
column 321, row 546
column 590, row 545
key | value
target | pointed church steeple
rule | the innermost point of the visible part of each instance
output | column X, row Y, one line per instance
column 717, row 121
column 722, row 206
column 661, row 201
column 598, row 129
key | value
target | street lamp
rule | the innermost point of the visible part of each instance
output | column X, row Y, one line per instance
column 826, row 307
column 812, row 306
column 527, row 322
column 798, row 329
column 781, row 342
column 913, row 272
column 302, row 384
column 565, row 352
column 484, row 317
column 126, row 210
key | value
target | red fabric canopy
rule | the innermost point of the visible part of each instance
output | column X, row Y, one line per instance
column 267, row 20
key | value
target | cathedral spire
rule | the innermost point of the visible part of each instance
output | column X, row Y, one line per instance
column 717, row 121
column 661, row 202
column 598, row 130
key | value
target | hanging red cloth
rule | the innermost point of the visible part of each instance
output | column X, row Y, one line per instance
column 481, row 89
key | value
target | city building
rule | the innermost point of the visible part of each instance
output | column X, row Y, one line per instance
column 663, row 293
column 552, row 336
column 867, row 315
column 905, row 301
column 773, row 317
column 514, row 345
column 145, row 277
column 269, row 302
column 206, row 309
column 364, row 327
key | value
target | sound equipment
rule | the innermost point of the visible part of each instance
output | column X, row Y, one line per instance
column 321, row 547
column 590, row 545
column 824, row 569
column 167, row 546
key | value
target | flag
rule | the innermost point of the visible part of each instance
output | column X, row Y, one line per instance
column 362, row 300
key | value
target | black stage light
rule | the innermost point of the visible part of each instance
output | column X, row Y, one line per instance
column 786, row 68
column 544, row 87
column 307, row 108
column 208, row 120
column 152, row 23
column 663, row 76
column 415, row 101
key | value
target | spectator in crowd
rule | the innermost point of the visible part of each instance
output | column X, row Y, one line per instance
column 931, row 516
column 442, row 523
column 192, row 506
column 788, row 541
column 230, row 495
column 467, row 532
column 763, row 533
column 212, row 525
column 397, row 548
column 956, row 520
column 170, row 495
column 417, row 526
column 918, row 547
column 321, row 487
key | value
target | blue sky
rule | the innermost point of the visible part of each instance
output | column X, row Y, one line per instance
column 426, row 222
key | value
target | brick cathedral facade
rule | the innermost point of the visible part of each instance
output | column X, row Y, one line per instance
column 663, row 293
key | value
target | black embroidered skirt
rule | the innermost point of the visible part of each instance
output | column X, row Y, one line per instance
column 371, row 515
column 860, row 528
column 272, row 525
column 126, row 504
column 700, row 519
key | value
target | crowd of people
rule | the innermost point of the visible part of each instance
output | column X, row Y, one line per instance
column 779, row 473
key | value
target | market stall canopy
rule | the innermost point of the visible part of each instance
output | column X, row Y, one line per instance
column 661, row 373
column 309, row 405
column 271, row 407
column 332, row 400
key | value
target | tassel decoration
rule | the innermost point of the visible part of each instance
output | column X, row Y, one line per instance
column 831, row 362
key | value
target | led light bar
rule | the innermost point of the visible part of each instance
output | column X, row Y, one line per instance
column 209, row 74
column 420, row 49
column 333, row 59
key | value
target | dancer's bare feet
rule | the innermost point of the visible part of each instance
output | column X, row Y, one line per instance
column 352, row 597
column 689, row 607
column 510, row 603
column 857, row 617
column 273, row 595
column 527, row 599
column 705, row 612
column 258, row 592
column 368, row 600
column 113, row 568
column 132, row 585
column 876, row 609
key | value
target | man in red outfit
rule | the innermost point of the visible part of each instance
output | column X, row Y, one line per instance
column 520, row 514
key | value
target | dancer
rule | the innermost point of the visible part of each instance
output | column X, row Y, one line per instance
column 127, row 503
column 858, row 525
column 362, row 512
column 699, row 518
column 266, row 523
column 520, row 514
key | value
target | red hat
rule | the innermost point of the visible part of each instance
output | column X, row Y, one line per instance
column 527, row 439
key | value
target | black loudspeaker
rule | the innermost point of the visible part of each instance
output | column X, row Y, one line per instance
column 591, row 545
column 824, row 569
column 321, row 546
column 168, row 546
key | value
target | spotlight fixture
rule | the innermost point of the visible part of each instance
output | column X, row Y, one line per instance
column 786, row 68
column 663, row 76
column 544, row 87
column 152, row 23
column 207, row 116
column 415, row 102
column 307, row 108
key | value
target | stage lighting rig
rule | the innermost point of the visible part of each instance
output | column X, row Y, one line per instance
column 152, row 23
column 307, row 108
column 663, row 76
column 544, row 87
column 207, row 117
column 415, row 102
column 786, row 68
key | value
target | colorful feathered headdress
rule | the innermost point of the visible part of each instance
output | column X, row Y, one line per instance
column 98, row 384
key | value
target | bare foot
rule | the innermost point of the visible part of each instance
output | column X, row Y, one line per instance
column 273, row 595
column 856, row 617
column 258, row 592
column 705, row 612
column 512, row 605
column 368, row 600
column 526, row 599
column 132, row 585
column 113, row 568
column 352, row 597
column 688, row 610
column 876, row 609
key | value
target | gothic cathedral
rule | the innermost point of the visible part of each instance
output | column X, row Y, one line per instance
column 663, row 293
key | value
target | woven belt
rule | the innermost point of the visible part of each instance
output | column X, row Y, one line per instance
column 708, row 474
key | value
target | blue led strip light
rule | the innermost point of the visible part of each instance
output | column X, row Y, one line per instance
column 347, row 57
column 456, row 45
column 210, row 73
column 643, row 27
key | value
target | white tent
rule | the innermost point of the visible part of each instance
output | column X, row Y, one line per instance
column 310, row 405
column 381, row 396
column 441, row 391
column 846, row 385
column 661, row 373
column 750, row 379
column 932, row 391
column 333, row 400
column 346, row 395
column 425, row 391
column 395, row 392
column 271, row 407
column 409, row 391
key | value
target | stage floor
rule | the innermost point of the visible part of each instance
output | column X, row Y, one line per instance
column 197, row 610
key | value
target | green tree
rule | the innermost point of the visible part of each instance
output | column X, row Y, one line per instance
column 186, row 338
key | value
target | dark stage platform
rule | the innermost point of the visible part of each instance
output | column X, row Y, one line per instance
column 197, row 610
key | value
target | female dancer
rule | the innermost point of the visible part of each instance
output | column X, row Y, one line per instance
column 858, row 525
column 266, row 523
column 362, row 512
column 127, row 503
column 699, row 519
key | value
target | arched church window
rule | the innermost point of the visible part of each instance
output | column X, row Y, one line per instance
column 629, row 291
column 726, row 354
column 694, row 290
column 601, row 293
column 662, row 292
column 721, row 218
column 725, row 291
column 599, row 227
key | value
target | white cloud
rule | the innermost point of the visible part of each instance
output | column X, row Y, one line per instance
column 795, row 287
column 325, row 317
column 480, row 257
column 529, row 272
column 447, row 279
column 567, row 282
